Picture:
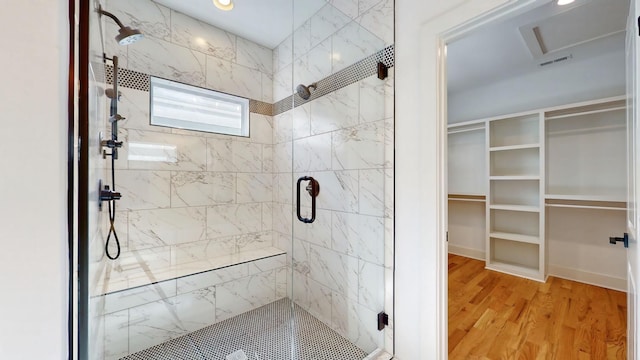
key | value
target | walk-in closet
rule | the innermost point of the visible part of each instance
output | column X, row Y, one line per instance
column 537, row 144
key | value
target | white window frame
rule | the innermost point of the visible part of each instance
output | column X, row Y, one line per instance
column 189, row 115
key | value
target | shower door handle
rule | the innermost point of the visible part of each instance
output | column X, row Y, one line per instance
column 313, row 188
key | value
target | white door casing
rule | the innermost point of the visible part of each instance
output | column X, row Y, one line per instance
column 423, row 27
column 633, row 183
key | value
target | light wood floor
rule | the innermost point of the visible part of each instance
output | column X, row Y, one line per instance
column 498, row 316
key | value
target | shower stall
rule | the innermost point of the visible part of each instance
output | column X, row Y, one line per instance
column 267, row 235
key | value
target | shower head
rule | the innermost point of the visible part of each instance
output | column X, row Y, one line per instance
column 126, row 35
column 305, row 91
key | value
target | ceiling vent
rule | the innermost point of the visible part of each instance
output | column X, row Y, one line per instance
column 578, row 25
column 556, row 61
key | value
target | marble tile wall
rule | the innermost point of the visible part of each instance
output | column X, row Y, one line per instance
column 138, row 318
column 342, row 263
column 186, row 196
column 181, row 48
column 213, row 194
column 338, row 35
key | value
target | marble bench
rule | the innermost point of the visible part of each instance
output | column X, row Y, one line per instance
column 158, row 305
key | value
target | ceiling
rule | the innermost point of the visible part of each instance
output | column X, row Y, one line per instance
column 520, row 45
column 264, row 22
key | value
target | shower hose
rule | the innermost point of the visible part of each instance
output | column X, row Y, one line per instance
column 112, row 215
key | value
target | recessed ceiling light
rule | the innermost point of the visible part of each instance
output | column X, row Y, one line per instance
column 224, row 5
column 565, row 2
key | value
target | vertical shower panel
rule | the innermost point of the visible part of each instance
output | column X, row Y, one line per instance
column 97, row 220
column 342, row 136
column 195, row 218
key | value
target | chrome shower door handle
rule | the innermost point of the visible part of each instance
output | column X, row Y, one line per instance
column 313, row 188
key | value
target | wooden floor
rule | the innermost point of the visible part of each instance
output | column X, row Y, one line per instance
column 498, row 316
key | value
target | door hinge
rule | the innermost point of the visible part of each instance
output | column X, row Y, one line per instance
column 383, row 320
column 638, row 25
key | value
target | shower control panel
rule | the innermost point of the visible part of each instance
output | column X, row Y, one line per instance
column 106, row 194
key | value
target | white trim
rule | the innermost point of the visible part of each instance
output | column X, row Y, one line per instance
column 467, row 252
column 609, row 282
column 379, row 354
column 422, row 29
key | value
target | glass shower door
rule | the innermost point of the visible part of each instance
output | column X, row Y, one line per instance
column 341, row 130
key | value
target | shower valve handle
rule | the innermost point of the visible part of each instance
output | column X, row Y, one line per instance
column 107, row 195
column 111, row 144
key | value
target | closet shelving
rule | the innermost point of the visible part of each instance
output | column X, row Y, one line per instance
column 515, row 217
column 565, row 163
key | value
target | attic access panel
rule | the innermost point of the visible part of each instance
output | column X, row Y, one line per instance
column 577, row 25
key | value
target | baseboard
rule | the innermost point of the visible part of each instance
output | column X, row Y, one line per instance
column 586, row 277
column 379, row 354
column 467, row 252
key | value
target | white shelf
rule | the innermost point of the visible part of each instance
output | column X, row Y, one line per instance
column 467, row 199
column 515, row 177
column 605, row 198
column 515, row 147
column 516, row 237
column 522, row 208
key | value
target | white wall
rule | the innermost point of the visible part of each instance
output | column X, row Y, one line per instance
column 418, row 263
column 574, row 81
column 33, row 253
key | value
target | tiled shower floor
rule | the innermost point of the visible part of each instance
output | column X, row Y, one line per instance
column 263, row 334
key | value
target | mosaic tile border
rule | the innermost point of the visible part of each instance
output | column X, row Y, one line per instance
column 345, row 77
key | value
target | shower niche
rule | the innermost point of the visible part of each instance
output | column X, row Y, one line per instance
column 214, row 260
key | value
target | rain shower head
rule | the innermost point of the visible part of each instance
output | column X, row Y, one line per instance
column 305, row 91
column 126, row 35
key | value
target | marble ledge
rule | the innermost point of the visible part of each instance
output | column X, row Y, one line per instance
column 182, row 270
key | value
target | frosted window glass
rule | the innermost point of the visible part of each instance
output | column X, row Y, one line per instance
column 189, row 107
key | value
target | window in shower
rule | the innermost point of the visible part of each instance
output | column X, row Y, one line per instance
column 183, row 106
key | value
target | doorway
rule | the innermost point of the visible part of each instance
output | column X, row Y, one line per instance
column 531, row 148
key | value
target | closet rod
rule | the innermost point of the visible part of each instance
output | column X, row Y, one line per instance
column 466, row 199
column 585, row 113
column 608, row 127
column 586, row 207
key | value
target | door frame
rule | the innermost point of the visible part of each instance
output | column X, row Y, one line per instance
column 425, row 137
